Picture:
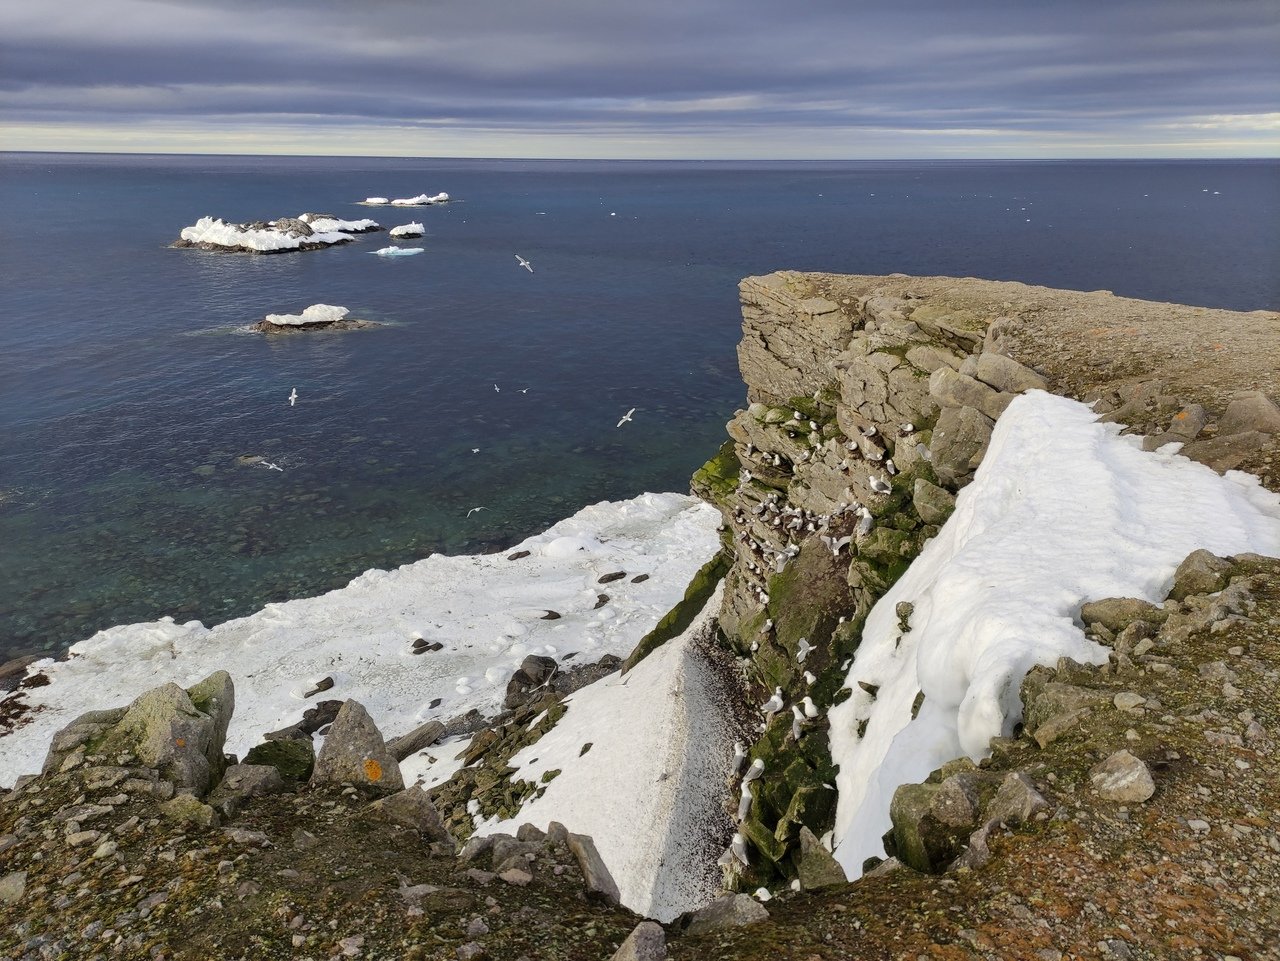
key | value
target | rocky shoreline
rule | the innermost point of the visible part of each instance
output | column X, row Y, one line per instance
column 1126, row 817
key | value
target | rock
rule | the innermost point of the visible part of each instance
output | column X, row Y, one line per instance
column 599, row 881
column 1250, row 410
column 1005, row 374
column 187, row 809
column 517, row 876
column 533, row 673
column 530, row 833
column 475, row 846
column 960, row 438
column 727, row 911
column 178, row 733
column 243, row 781
column 977, row 853
column 932, row 503
column 887, row 866
column 13, row 671
column 1016, row 801
column 952, row 389
column 354, row 753
column 294, row 759
column 420, row 737
column 1226, row 452
column 646, row 942
column 1128, row 700
column 411, row 808
column 1200, row 573
column 518, row 555
column 610, row 578
column 955, row 803
column 817, row 869
column 12, row 887
column 1117, row 613
column 245, row 836
column 1122, row 778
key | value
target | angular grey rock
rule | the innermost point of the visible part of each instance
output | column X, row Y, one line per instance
column 932, row 503
column 928, row 358
column 952, row 389
column 1004, row 373
column 507, row 849
column 530, row 833
column 420, row 737
column 955, row 803
column 646, row 942
column 13, row 671
column 1250, row 410
column 79, row 733
column 1016, row 801
column 598, row 879
column 817, row 869
column 188, row 809
column 1200, row 573
column 243, row 781
column 727, row 911
column 515, row 875
column 977, row 853
column 533, row 673
column 887, row 866
column 475, row 846
column 959, row 441
column 411, row 808
column 1226, row 451
column 1122, row 778
column 12, row 887
column 354, row 753
column 1117, row 613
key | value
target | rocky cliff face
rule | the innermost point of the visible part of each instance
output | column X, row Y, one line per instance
column 871, row 403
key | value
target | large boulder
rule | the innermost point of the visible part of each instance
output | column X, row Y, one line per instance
column 180, row 733
column 354, row 753
column 727, row 911
column 411, row 808
column 294, row 757
column 241, row 782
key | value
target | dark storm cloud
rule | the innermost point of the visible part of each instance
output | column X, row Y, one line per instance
column 914, row 65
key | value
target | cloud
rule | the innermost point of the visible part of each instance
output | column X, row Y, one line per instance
column 589, row 72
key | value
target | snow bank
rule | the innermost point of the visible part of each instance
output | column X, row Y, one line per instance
column 485, row 609
column 408, row 230
column 315, row 314
column 398, row 251
column 332, row 224
column 649, row 789
column 211, row 230
column 1063, row 510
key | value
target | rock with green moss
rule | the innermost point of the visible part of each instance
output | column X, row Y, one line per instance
column 676, row 620
column 717, row 479
column 294, row 758
column 187, row 809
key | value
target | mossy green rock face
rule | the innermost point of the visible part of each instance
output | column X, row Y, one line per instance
column 293, row 758
column 715, row 480
column 676, row 620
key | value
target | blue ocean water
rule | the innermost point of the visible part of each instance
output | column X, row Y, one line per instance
column 126, row 394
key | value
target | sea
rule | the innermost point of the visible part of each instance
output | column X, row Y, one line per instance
column 137, row 415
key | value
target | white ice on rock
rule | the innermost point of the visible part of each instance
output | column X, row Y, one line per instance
column 422, row 200
column 332, row 224
column 315, row 314
column 649, row 789
column 398, row 251
column 1063, row 510
column 212, row 230
column 485, row 609
column 408, row 230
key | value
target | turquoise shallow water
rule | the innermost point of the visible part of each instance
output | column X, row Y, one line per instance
column 126, row 396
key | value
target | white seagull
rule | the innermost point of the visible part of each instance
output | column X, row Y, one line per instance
column 626, row 418
column 810, row 709
column 753, row 772
column 744, row 802
column 293, row 397
column 473, row 510
column 739, row 848
column 775, row 703
column 797, row 722
column 475, row 450
column 270, row 466
column 880, row 485
column 524, row 263
column 803, row 647
column 739, row 755
column 497, row 389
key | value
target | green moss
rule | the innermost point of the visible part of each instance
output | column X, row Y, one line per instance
column 681, row 616
column 717, row 479
column 293, row 757
column 549, row 776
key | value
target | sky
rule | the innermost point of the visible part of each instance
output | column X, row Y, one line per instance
column 750, row 79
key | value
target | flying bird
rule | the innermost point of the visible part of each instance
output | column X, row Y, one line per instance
column 497, row 389
column 803, row 647
column 270, row 466
column 524, row 263
column 626, row 418
column 475, row 450
column 473, row 510
column 293, row 397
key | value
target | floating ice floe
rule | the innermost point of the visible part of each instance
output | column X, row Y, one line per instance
column 375, row 201
column 485, row 610
column 324, row 224
column 1062, row 510
column 408, row 230
column 315, row 314
column 398, row 251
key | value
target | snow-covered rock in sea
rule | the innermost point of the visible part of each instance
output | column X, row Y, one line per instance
column 212, row 233
column 1062, row 510
column 315, row 314
column 422, row 200
column 408, row 230
column 485, row 610
column 324, row 223
column 375, row 201
column 650, row 787
column 398, row 251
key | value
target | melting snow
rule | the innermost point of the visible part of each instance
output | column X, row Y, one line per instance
column 315, row 314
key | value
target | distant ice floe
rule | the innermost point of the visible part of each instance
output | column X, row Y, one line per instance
column 422, row 200
column 308, row 232
column 408, row 230
column 1062, row 510
column 398, row 251
column 315, row 314
column 486, row 611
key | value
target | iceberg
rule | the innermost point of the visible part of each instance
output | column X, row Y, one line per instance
column 315, row 314
column 408, row 230
column 398, row 251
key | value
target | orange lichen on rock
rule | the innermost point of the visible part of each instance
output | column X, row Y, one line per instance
column 372, row 769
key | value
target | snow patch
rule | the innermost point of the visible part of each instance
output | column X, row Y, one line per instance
column 211, row 230
column 1063, row 510
column 315, row 314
